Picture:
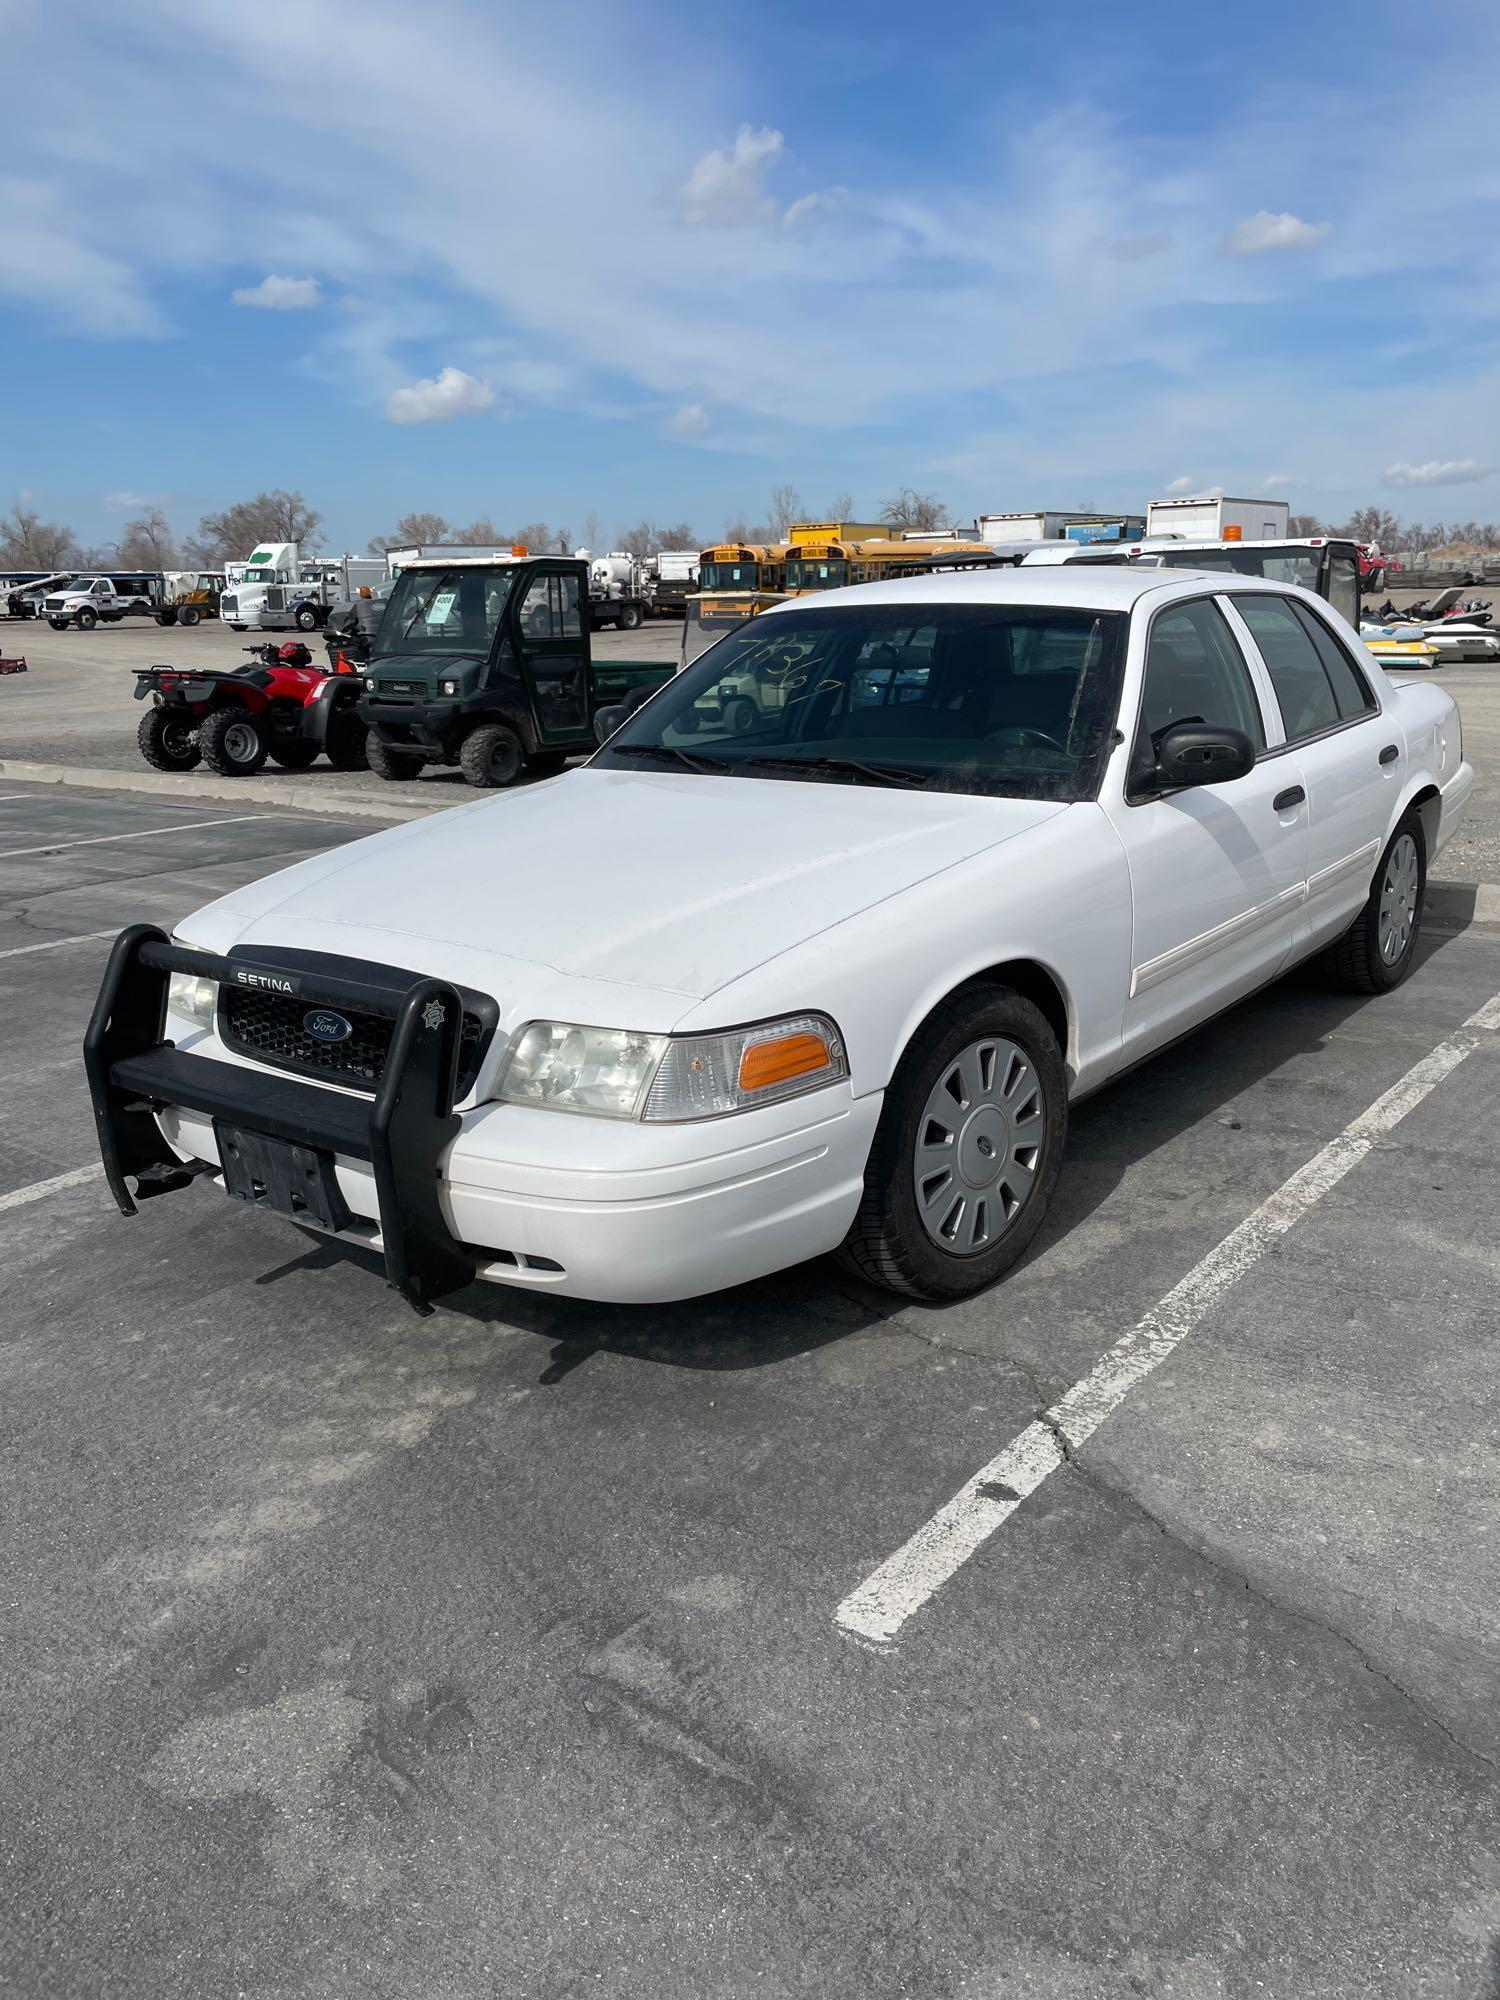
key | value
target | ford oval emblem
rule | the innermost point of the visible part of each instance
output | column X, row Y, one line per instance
column 324, row 1026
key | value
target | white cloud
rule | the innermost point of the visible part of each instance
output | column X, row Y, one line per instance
column 1264, row 231
column 1274, row 481
column 1180, row 489
column 275, row 294
column 724, row 189
column 434, row 399
column 690, row 421
column 1437, row 472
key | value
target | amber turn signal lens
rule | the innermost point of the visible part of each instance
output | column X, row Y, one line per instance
column 780, row 1060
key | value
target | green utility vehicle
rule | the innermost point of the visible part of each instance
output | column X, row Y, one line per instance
column 485, row 663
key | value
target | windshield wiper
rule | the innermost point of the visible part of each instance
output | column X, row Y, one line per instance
column 668, row 753
column 877, row 774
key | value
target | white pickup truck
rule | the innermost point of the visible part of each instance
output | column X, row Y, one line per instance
column 826, row 982
column 89, row 599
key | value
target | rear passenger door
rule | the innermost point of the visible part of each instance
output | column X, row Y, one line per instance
column 1216, row 871
column 1352, row 766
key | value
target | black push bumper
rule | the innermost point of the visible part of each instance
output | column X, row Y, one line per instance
column 273, row 1129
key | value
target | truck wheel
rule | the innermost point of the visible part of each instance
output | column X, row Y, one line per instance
column 233, row 742
column 967, row 1150
column 492, row 756
column 294, row 754
column 190, row 614
column 87, row 620
column 392, row 765
column 58, row 624
column 739, row 715
column 166, row 617
column 168, row 739
column 1377, row 950
column 237, row 628
column 630, row 617
column 347, row 743
column 307, row 618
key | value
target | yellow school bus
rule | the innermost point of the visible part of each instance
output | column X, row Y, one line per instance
column 735, row 581
column 837, row 561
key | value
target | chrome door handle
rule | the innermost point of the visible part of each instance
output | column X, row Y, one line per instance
column 1390, row 753
column 1292, row 796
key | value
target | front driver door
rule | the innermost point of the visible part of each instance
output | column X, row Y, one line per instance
column 1216, row 871
column 555, row 654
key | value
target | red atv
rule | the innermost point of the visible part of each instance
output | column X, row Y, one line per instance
column 282, row 707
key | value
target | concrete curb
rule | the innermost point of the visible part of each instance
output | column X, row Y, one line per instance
column 204, row 785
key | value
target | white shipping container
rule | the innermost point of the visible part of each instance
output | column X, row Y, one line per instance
column 1217, row 518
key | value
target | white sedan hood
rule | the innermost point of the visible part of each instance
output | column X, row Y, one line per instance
column 673, row 883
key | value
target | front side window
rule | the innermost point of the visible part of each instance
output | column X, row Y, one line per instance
column 1015, row 701
column 1194, row 673
column 1304, row 692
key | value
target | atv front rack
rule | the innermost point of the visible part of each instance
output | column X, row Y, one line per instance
column 134, row 1072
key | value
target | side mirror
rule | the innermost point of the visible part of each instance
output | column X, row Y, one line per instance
column 608, row 720
column 1202, row 753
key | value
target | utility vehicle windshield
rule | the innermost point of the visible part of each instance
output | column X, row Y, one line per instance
column 445, row 610
column 1014, row 700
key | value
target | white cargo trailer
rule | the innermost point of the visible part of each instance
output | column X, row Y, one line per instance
column 1055, row 524
column 1217, row 518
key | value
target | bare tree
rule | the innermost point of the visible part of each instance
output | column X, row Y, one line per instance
column 748, row 534
column 481, row 534
column 786, row 507
column 540, row 539
column 277, row 516
column 147, row 543
column 412, row 531
column 679, row 536
column 644, row 539
column 29, row 542
column 911, row 509
column 841, row 507
column 593, row 533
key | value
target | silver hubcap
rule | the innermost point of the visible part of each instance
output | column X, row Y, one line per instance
column 240, row 743
column 1398, row 899
column 979, row 1145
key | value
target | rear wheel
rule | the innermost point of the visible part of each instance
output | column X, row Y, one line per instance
column 630, row 617
column 190, row 614
column 967, row 1150
column 492, row 756
column 166, row 617
column 168, row 739
column 1379, row 947
column 233, row 742
column 387, row 763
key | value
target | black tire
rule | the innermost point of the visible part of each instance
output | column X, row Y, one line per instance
column 630, row 617
column 888, row 1244
column 346, row 744
column 58, row 624
column 388, row 763
column 237, row 628
column 546, row 763
column 293, row 753
column 740, row 715
column 189, row 614
column 233, row 742
column 1360, row 960
column 166, row 617
column 87, row 619
column 307, row 618
column 492, row 757
column 168, row 739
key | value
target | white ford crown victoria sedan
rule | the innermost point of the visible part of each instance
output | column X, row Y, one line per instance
column 811, row 957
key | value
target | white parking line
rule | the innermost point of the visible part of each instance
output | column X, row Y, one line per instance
column 56, row 944
column 918, row 1570
column 145, row 833
column 39, row 1190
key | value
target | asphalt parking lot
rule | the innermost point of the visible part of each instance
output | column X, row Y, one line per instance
column 511, row 1651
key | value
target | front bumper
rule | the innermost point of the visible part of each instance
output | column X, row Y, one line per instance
column 591, row 1208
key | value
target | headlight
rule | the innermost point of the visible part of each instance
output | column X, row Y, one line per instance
column 370, row 683
column 192, row 999
column 665, row 1079
column 450, row 687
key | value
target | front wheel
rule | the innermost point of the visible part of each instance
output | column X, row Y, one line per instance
column 87, row 620
column 346, row 742
column 740, row 715
column 233, row 742
column 492, row 756
column 168, row 739
column 967, row 1151
column 388, row 763
column 166, row 617
column 307, row 619
column 190, row 614
column 237, row 628
column 58, row 624
column 1379, row 947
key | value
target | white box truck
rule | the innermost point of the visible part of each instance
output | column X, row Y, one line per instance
column 1056, row 524
column 1217, row 518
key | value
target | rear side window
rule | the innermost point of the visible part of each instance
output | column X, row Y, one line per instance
column 1349, row 689
column 1303, row 689
column 1196, row 673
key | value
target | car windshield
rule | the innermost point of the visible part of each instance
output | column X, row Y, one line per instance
column 729, row 576
column 445, row 610
column 825, row 573
column 1298, row 566
column 1014, row 700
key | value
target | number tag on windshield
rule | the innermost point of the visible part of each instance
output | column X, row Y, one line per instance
column 442, row 607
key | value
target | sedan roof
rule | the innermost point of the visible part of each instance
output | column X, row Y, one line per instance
column 1081, row 586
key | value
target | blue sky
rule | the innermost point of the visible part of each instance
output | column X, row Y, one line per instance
column 652, row 260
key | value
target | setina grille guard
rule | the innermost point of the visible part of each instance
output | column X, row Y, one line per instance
column 401, row 1131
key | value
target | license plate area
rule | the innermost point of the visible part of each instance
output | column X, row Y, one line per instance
column 294, row 1181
